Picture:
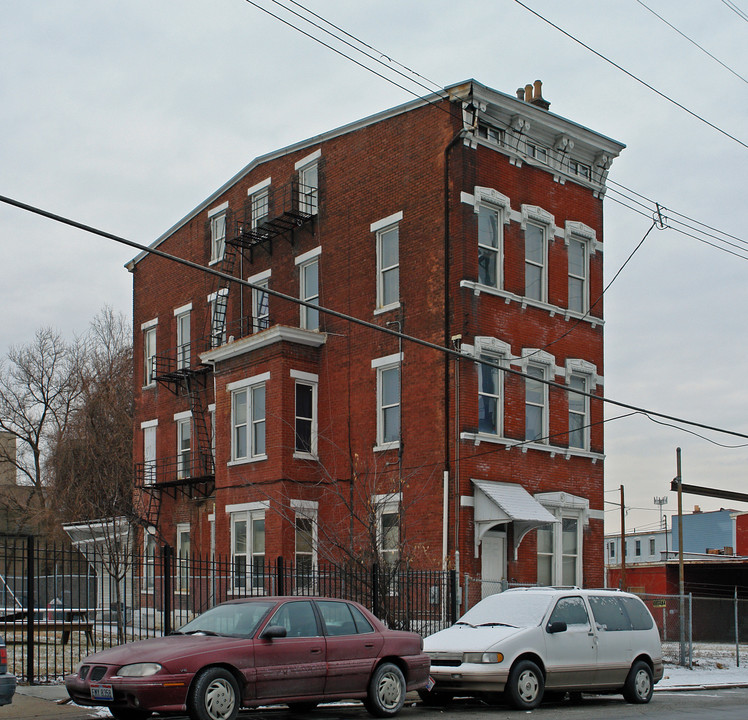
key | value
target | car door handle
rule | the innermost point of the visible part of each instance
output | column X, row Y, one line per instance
column 368, row 645
column 316, row 651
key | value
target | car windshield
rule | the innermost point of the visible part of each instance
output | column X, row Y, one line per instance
column 508, row 608
column 238, row 619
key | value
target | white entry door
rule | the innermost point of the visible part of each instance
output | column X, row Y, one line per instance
column 493, row 562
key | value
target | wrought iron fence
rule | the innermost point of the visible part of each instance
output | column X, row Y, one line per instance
column 59, row 604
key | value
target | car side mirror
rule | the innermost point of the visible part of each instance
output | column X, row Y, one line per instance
column 273, row 631
column 556, row 626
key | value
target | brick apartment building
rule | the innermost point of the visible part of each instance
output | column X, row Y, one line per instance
column 471, row 220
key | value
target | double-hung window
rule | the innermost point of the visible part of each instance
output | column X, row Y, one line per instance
column 578, row 412
column 149, row 352
column 490, row 382
column 182, row 320
column 248, row 546
column 149, row 560
column 217, row 223
column 388, row 261
column 260, row 301
column 305, row 413
column 536, row 404
column 259, row 203
column 248, row 418
column 308, row 186
column 217, row 303
column 308, row 265
column 184, row 441
column 149, row 428
column 183, row 558
column 578, row 267
column 560, row 544
column 387, row 508
column 535, row 262
column 489, row 246
column 305, row 542
column 388, row 400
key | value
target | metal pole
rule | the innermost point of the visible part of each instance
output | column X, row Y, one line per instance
column 30, row 609
column 737, row 633
column 623, row 542
column 681, row 580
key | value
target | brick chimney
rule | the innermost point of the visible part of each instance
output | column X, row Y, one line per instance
column 533, row 94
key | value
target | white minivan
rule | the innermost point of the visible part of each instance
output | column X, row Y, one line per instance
column 525, row 641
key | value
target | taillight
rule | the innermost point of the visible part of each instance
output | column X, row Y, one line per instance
column 3, row 659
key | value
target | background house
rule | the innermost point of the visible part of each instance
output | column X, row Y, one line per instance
column 471, row 220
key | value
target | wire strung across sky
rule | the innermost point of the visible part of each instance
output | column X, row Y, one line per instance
column 458, row 354
column 721, row 242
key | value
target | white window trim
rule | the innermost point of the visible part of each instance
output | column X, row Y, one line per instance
column 148, row 423
column 302, row 262
column 262, row 185
column 501, row 204
column 565, row 505
column 385, row 504
column 149, row 328
column 238, row 386
column 308, row 509
column 544, row 430
column 212, row 214
column 586, row 419
column 379, row 228
column 308, row 160
column 247, row 512
column 149, row 561
column 181, row 529
column 380, row 364
column 148, row 324
column 183, row 309
column 311, row 380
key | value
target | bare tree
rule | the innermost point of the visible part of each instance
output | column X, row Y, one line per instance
column 40, row 385
column 92, row 454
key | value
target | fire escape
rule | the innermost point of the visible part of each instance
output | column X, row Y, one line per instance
column 281, row 212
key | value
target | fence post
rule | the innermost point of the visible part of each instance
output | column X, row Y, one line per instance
column 166, row 587
column 281, row 580
column 30, row 608
column 375, row 590
column 453, row 597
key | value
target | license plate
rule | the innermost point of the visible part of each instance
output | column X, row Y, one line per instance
column 430, row 683
column 101, row 692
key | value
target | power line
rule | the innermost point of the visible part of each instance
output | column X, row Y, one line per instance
column 357, row 321
column 736, row 10
column 632, row 76
column 693, row 42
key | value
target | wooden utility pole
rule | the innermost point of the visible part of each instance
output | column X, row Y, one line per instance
column 623, row 542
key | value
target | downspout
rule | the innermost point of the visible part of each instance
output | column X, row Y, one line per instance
column 447, row 343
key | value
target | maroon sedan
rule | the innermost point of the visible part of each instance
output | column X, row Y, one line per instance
column 257, row 651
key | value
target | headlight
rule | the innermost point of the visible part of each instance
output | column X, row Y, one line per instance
column 482, row 657
column 139, row 669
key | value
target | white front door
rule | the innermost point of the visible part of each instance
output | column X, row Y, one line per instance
column 493, row 562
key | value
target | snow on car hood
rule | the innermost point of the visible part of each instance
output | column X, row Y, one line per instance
column 466, row 638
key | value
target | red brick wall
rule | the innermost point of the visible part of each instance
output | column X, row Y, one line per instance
column 396, row 165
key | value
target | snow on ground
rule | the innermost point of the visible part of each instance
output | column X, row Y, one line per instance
column 712, row 665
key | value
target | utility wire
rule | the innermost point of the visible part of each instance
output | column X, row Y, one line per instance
column 693, row 42
column 357, row 321
column 736, row 10
column 366, row 45
column 632, row 76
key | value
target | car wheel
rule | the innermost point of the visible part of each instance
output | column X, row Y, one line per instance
column 639, row 686
column 301, row 707
column 386, row 691
column 435, row 698
column 524, row 688
column 129, row 713
column 214, row 696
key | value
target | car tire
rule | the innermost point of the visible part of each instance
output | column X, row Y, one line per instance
column 435, row 698
column 639, row 684
column 129, row 713
column 386, row 691
column 524, row 688
column 214, row 696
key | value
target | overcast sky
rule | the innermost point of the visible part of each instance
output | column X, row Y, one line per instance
column 125, row 116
